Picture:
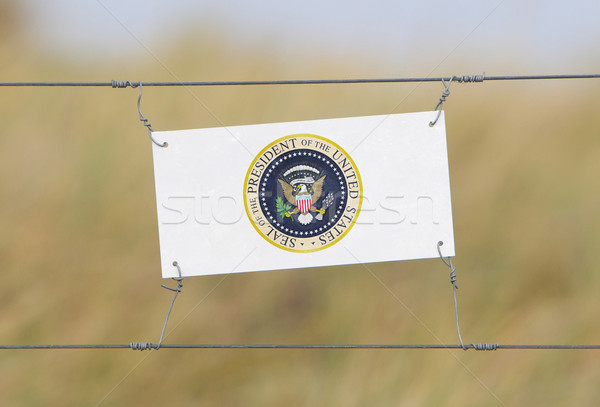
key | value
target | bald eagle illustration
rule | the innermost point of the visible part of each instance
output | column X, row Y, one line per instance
column 302, row 195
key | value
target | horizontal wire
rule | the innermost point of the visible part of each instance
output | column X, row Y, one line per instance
column 304, row 81
column 281, row 346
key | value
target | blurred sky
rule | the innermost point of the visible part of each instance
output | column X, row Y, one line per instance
column 530, row 36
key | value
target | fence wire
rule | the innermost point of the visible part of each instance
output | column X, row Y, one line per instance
column 151, row 346
column 457, row 78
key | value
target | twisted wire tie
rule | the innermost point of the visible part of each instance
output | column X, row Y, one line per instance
column 476, row 346
column 141, row 346
column 446, row 92
column 449, row 264
column 176, row 290
column 177, row 279
column 143, row 119
column 484, row 346
column 124, row 84
column 468, row 79
column 454, row 288
column 145, row 122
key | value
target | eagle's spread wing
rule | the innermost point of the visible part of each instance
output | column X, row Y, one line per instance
column 287, row 191
column 318, row 188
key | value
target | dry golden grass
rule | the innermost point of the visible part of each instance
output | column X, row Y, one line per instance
column 80, row 262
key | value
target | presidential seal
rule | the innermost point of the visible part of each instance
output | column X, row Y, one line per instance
column 302, row 193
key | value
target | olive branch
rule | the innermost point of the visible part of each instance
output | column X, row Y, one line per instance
column 282, row 208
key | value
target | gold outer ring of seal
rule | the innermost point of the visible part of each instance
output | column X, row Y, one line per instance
column 360, row 189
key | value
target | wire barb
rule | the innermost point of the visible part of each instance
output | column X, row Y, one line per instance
column 454, row 288
column 142, row 118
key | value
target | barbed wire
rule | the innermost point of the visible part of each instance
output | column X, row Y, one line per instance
column 459, row 78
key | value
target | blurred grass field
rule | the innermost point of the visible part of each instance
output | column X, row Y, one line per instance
column 80, row 262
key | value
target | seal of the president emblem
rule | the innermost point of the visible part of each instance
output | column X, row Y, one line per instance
column 303, row 193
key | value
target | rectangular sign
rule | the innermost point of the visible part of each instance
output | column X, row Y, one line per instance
column 303, row 194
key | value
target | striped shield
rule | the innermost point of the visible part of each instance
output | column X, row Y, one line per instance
column 304, row 202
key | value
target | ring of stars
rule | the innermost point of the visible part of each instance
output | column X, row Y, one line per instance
column 319, row 227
